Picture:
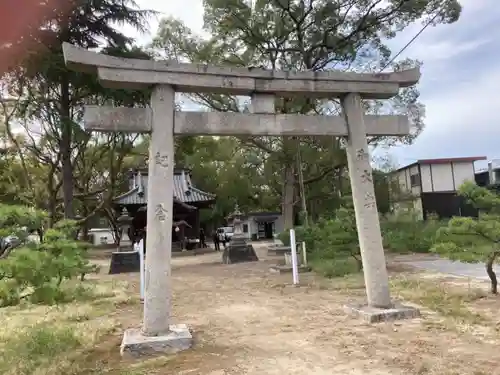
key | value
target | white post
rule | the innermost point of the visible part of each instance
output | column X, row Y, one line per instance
column 304, row 253
column 293, row 247
column 159, row 215
column 365, row 206
column 140, row 247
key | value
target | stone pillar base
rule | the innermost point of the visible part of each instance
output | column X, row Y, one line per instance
column 124, row 262
column 136, row 344
column 239, row 253
column 280, row 268
column 377, row 315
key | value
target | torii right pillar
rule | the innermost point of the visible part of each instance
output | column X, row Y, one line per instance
column 379, row 306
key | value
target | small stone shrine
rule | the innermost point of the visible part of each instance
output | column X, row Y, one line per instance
column 125, row 259
column 238, row 250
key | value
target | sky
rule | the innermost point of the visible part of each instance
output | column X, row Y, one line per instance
column 460, row 78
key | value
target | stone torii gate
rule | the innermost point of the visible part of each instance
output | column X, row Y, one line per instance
column 162, row 121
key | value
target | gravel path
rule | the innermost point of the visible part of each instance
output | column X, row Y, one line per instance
column 472, row 270
column 249, row 321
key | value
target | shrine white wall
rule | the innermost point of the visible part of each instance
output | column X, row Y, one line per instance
column 252, row 227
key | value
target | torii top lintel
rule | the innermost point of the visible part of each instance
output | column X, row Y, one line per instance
column 116, row 72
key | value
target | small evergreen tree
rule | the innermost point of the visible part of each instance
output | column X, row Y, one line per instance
column 472, row 240
column 19, row 222
column 36, row 270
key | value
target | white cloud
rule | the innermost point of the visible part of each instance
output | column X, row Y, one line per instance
column 460, row 80
column 460, row 121
column 446, row 49
column 475, row 6
column 189, row 11
column 469, row 104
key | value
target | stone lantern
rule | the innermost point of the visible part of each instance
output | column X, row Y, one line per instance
column 124, row 221
column 238, row 250
column 125, row 259
column 236, row 221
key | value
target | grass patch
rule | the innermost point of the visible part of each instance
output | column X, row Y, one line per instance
column 41, row 339
column 331, row 268
column 352, row 284
column 447, row 301
column 37, row 347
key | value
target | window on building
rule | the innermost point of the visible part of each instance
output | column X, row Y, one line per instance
column 415, row 179
column 245, row 228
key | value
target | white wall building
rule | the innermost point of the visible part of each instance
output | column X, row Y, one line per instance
column 101, row 236
column 430, row 186
column 262, row 225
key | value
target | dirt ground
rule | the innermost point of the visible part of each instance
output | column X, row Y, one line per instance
column 247, row 320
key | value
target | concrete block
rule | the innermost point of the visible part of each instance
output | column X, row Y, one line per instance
column 377, row 315
column 263, row 103
column 288, row 269
column 278, row 250
column 136, row 344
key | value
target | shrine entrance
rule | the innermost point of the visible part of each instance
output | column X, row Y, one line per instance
column 263, row 86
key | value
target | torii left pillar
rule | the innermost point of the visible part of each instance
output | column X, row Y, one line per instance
column 157, row 334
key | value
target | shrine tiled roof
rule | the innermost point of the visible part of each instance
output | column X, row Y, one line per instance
column 184, row 191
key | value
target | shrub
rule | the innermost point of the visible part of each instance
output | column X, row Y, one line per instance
column 309, row 234
column 474, row 240
column 406, row 232
column 19, row 222
column 334, row 267
column 332, row 244
column 338, row 238
column 36, row 271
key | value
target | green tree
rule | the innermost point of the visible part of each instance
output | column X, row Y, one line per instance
column 234, row 174
column 19, row 221
column 303, row 35
column 36, row 270
column 24, row 25
column 474, row 240
column 52, row 95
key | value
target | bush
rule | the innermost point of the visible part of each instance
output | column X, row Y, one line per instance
column 406, row 232
column 474, row 240
column 334, row 267
column 36, row 271
column 17, row 222
column 307, row 234
column 332, row 245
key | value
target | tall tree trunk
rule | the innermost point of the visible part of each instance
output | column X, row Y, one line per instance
column 53, row 192
column 302, row 191
column 85, row 224
column 65, row 147
column 289, row 182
